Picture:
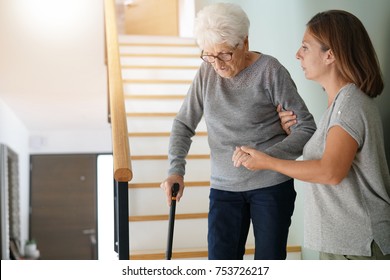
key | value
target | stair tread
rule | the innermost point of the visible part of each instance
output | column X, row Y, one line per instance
column 191, row 253
column 165, row 157
column 181, row 67
column 160, row 134
column 157, row 184
column 154, row 96
column 164, row 217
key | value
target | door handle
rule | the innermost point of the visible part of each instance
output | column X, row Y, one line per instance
column 92, row 239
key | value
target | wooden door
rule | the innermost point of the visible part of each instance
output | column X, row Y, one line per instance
column 152, row 17
column 63, row 215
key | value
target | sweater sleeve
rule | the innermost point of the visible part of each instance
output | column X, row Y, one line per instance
column 184, row 125
column 282, row 90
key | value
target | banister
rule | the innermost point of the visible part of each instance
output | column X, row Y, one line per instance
column 120, row 140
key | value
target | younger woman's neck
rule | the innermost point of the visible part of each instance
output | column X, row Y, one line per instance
column 332, row 88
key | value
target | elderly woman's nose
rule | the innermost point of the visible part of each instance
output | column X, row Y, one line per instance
column 219, row 62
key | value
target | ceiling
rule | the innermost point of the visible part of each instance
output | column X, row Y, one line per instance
column 52, row 71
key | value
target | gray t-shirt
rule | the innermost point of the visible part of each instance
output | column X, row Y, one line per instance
column 345, row 218
column 241, row 111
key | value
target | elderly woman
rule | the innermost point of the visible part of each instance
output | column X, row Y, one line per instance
column 237, row 91
column 348, row 198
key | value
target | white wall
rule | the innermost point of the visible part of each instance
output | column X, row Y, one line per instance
column 14, row 134
column 277, row 28
column 71, row 141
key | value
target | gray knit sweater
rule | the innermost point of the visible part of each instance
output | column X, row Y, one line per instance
column 241, row 111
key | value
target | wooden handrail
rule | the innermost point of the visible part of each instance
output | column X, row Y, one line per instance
column 120, row 140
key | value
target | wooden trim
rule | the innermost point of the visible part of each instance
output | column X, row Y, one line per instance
column 169, row 55
column 177, row 254
column 160, row 134
column 165, row 67
column 149, row 218
column 154, row 96
column 139, row 81
column 290, row 249
column 157, row 185
column 190, row 253
column 120, row 138
column 165, row 157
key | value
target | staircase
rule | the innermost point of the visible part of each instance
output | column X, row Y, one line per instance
column 157, row 73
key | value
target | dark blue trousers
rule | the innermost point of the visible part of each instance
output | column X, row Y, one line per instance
column 270, row 210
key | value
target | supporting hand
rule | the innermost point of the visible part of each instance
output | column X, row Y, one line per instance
column 287, row 119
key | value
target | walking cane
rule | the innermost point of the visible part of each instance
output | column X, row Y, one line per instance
column 175, row 190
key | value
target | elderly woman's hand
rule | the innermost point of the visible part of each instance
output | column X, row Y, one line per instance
column 249, row 158
column 166, row 186
column 287, row 119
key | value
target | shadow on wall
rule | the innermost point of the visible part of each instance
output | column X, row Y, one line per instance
column 383, row 100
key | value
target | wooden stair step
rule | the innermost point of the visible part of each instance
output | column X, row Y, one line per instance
column 145, row 81
column 160, row 134
column 181, row 67
column 157, row 185
column 153, row 96
column 134, row 44
column 170, row 55
column 151, row 114
column 148, row 218
column 165, row 157
column 190, row 253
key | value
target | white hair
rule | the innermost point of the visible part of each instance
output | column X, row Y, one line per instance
column 221, row 23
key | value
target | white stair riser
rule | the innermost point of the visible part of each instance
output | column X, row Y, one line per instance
column 146, row 171
column 159, row 74
column 154, row 235
column 154, row 39
column 154, row 124
column 153, row 105
column 159, row 145
column 163, row 61
column 159, row 50
column 152, row 201
column 163, row 89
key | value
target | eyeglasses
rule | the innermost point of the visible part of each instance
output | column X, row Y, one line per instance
column 225, row 57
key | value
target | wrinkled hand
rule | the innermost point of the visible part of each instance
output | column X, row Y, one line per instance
column 166, row 186
column 249, row 158
column 287, row 119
